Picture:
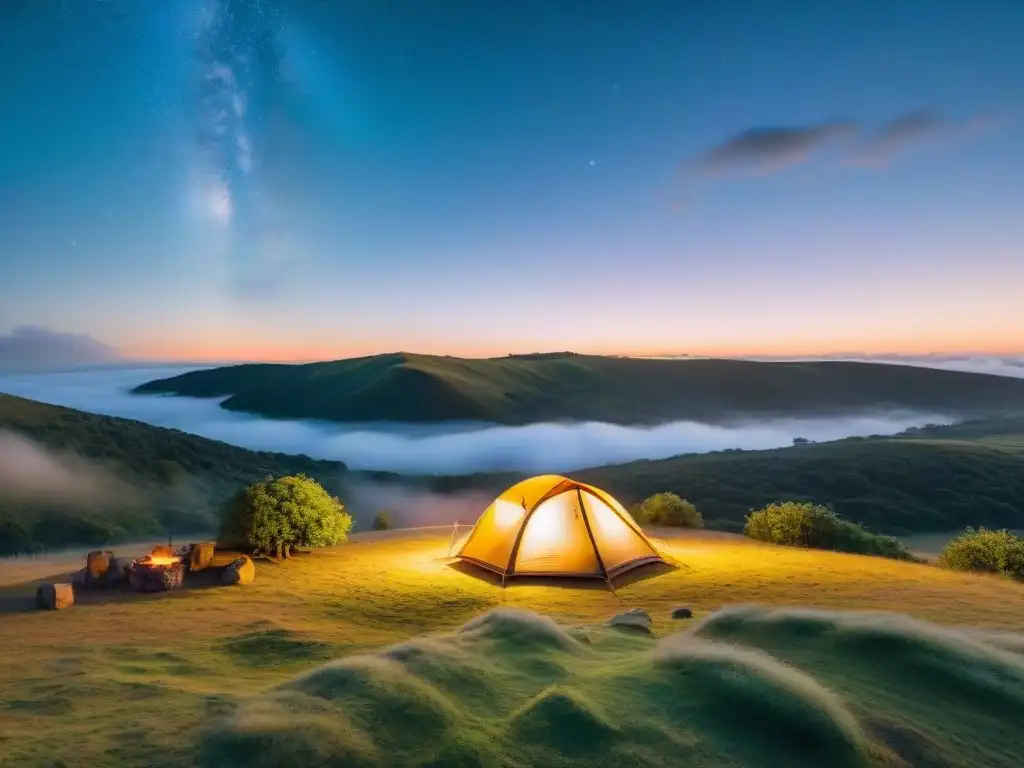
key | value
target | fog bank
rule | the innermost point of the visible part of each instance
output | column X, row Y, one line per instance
column 441, row 449
column 30, row 472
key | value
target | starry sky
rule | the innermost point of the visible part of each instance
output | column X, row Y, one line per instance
column 301, row 179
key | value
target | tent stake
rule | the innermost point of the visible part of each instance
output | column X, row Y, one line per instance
column 608, row 581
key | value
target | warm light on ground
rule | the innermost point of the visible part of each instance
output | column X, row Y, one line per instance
column 380, row 589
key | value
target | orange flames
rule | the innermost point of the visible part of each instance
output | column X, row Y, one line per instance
column 163, row 560
column 159, row 560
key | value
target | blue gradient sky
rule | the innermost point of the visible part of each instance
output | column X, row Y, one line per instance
column 299, row 179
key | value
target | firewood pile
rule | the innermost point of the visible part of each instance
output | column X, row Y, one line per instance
column 159, row 577
column 162, row 570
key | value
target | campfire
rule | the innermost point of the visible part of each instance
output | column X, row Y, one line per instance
column 161, row 570
column 152, row 561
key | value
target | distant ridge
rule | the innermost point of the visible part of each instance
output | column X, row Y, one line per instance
column 564, row 386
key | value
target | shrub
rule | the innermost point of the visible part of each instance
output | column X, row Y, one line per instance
column 986, row 551
column 275, row 515
column 668, row 509
column 382, row 521
column 803, row 524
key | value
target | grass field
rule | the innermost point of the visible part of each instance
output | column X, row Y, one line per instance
column 524, row 389
column 215, row 676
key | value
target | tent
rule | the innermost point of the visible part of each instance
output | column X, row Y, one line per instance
column 553, row 526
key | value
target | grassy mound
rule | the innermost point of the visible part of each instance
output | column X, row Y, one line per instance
column 747, row 686
column 935, row 691
column 748, row 697
column 276, row 647
column 564, row 721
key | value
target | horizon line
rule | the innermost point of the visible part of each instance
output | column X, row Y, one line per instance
column 752, row 355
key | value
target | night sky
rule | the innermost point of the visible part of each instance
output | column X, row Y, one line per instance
column 297, row 179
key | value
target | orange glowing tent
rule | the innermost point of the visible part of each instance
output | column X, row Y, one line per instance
column 553, row 526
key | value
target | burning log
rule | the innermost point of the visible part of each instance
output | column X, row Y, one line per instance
column 158, row 572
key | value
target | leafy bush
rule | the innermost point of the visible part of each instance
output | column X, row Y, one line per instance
column 986, row 551
column 803, row 524
column 668, row 509
column 275, row 515
column 382, row 521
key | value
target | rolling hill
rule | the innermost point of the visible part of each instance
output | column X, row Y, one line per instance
column 526, row 389
column 929, row 480
column 140, row 478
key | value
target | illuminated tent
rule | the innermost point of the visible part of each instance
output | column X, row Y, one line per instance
column 553, row 526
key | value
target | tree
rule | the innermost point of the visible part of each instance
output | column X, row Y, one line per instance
column 275, row 515
column 669, row 509
column 15, row 537
column 382, row 521
column 986, row 551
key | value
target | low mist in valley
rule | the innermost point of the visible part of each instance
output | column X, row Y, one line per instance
column 438, row 449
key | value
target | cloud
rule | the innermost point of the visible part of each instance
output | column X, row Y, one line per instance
column 29, row 472
column 766, row 150
column 995, row 365
column 33, row 348
column 762, row 151
column 439, row 449
column 896, row 136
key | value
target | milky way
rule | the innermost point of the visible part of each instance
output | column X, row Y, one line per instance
column 236, row 80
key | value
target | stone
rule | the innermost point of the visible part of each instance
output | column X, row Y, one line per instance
column 240, row 571
column 682, row 613
column 635, row 619
column 54, row 597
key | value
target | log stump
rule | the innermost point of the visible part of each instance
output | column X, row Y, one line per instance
column 240, row 571
column 200, row 556
column 156, row 578
column 54, row 597
column 97, row 563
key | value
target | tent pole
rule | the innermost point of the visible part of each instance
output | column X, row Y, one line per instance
column 593, row 541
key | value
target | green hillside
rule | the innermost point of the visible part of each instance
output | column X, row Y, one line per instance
column 530, row 388
column 929, row 480
column 158, row 475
